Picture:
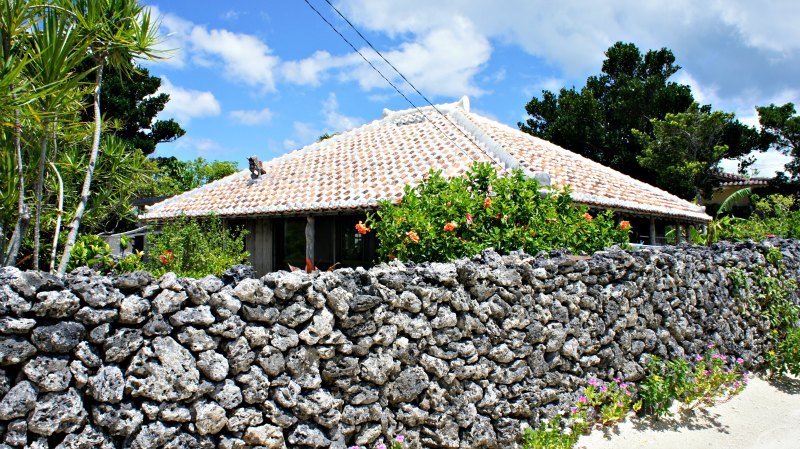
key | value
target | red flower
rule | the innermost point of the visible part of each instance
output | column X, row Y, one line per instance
column 588, row 217
column 413, row 236
column 166, row 258
column 361, row 228
column 624, row 225
column 487, row 202
column 469, row 218
column 449, row 226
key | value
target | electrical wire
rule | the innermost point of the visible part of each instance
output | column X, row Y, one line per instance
column 395, row 87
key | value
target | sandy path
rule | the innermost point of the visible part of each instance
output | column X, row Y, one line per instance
column 763, row 416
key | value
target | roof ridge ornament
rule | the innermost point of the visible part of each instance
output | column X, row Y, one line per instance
column 256, row 167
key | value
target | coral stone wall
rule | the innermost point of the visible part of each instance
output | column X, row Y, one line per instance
column 449, row 355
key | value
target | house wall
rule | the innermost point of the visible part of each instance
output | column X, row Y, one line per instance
column 450, row 355
column 259, row 242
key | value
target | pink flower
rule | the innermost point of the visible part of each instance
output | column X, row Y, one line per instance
column 620, row 404
column 698, row 358
column 623, row 385
column 594, row 382
column 583, row 400
column 628, row 393
column 617, row 380
column 469, row 218
column 706, row 372
column 736, row 385
column 710, row 345
column 400, row 439
column 573, row 410
column 724, row 358
column 603, row 389
column 740, row 360
column 715, row 356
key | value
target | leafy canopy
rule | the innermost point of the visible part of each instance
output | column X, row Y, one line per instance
column 782, row 130
column 598, row 120
column 444, row 219
column 684, row 149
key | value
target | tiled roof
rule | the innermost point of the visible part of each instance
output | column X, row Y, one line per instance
column 355, row 169
column 734, row 180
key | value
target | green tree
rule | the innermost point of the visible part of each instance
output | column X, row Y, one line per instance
column 130, row 105
column 684, row 150
column 598, row 120
column 782, row 130
column 173, row 176
column 119, row 31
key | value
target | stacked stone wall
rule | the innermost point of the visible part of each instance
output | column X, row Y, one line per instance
column 449, row 355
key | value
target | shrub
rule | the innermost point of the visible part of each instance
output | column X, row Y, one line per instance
column 714, row 378
column 92, row 251
column 195, row 247
column 441, row 219
column 774, row 215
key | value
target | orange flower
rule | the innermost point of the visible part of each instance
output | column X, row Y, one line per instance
column 449, row 226
column 413, row 236
column 361, row 228
column 624, row 225
column 588, row 217
column 166, row 258
column 487, row 202
column 469, row 218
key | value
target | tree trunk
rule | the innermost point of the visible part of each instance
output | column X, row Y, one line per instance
column 87, row 182
column 24, row 218
column 39, row 189
column 58, row 219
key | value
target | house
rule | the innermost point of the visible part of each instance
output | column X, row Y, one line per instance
column 305, row 204
column 729, row 183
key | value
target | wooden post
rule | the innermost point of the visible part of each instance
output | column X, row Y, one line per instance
column 652, row 230
column 678, row 233
column 309, row 244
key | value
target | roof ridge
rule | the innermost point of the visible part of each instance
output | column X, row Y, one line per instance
column 601, row 167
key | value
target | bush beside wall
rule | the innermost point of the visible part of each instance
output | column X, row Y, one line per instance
column 448, row 354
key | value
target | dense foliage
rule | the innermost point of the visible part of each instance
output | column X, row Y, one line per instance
column 782, row 130
column 445, row 219
column 684, row 150
column 773, row 215
column 131, row 102
column 195, row 247
column 633, row 89
column 173, row 176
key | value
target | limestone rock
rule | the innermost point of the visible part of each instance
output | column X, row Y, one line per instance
column 57, row 413
column 50, row 374
column 163, row 371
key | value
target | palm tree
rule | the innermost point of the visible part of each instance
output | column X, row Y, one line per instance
column 15, row 18
column 118, row 31
column 60, row 50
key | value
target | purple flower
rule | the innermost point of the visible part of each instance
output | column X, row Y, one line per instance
column 724, row 358
column 594, row 382
column 573, row 410
column 623, row 385
column 746, row 381
column 617, row 380
column 706, row 372
column 400, row 439
column 736, row 384
column 715, row 356
column 628, row 393
column 698, row 358
column 711, row 346
column 620, row 404
column 740, row 360
column 583, row 400
column 354, row 447
column 603, row 389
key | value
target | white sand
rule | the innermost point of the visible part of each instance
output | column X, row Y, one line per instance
column 763, row 416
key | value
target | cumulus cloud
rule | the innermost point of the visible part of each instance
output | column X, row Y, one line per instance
column 252, row 117
column 335, row 120
column 186, row 104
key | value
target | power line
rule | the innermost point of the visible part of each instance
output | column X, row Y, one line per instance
column 393, row 85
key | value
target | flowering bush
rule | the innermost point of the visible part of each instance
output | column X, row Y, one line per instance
column 713, row 379
column 550, row 435
column 607, row 402
column 195, row 247
column 441, row 219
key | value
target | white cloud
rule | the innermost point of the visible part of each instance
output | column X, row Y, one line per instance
column 202, row 147
column 252, row 117
column 766, row 24
column 766, row 165
column 231, row 14
column 185, row 104
column 335, row 120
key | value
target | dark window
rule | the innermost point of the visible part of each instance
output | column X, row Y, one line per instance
column 293, row 247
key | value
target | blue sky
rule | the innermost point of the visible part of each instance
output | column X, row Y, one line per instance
column 267, row 77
